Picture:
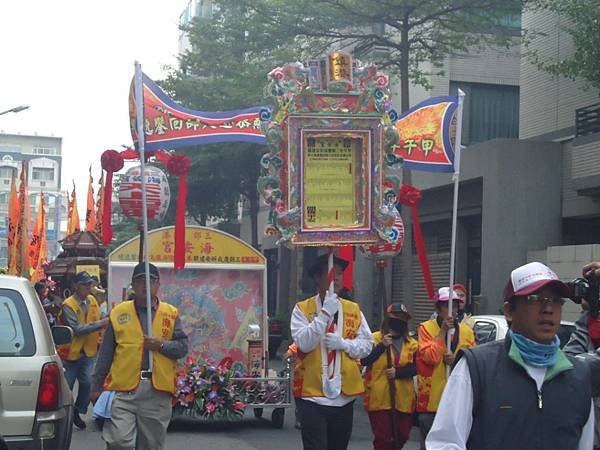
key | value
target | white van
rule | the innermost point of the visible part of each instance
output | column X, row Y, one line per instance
column 36, row 405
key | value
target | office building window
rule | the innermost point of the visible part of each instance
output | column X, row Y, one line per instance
column 7, row 172
column 43, row 151
column 43, row 174
column 490, row 111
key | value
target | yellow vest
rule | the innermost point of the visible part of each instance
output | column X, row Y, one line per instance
column 377, row 390
column 88, row 343
column 431, row 381
column 124, row 374
column 308, row 368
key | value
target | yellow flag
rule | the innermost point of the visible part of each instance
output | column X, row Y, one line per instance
column 73, row 225
column 22, row 239
column 90, row 211
column 13, row 223
column 37, row 243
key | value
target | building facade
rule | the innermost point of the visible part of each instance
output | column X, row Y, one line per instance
column 42, row 159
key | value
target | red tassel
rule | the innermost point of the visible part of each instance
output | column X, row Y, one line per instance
column 411, row 196
column 421, row 252
column 107, row 210
column 179, row 257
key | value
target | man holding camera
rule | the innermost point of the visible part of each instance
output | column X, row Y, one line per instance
column 585, row 340
column 521, row 392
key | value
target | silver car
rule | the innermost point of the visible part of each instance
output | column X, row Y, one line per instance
column 494, row 327
column 36, row 405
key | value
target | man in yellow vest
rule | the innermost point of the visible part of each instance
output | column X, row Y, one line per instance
column 81, row 312
column 141, row 407
column 330, row 333
column 433, row 356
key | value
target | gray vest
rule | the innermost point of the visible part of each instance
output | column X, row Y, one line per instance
column 508, row 413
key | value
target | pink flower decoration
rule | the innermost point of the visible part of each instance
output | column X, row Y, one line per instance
column 382, row 79
column 277, row 73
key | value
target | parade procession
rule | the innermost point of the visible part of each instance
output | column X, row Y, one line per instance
column 317, row 225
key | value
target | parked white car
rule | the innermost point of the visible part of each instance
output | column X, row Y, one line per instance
column 36, row 405
column 494, row 327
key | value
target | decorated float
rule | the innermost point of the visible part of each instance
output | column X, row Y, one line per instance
column 221, row 297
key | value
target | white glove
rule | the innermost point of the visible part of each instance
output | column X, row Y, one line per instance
column 331, row 304
column 334, row 341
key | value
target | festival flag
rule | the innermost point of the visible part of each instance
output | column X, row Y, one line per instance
column 100, row 205
column 427, row 135
column 13, row 223
column 90, row 211
column 37, row 243
column 22, row 240
column 73, row 225
column 169, row 125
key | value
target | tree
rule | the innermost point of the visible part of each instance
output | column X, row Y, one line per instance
column 404, row 34
column 226, row 69
column 583, row 25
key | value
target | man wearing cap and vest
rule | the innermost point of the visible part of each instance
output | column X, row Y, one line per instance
column 81, row 312
column 330, row 334
column 521, row 392
column 463, row 316
column 433, row 356
column 141, row 408
column 377, row 399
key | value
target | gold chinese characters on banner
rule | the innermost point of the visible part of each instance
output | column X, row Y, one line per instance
column 340, row 67
column 333, row 191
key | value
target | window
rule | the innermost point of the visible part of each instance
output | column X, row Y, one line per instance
column 4, row 198
column 490, row 111
column 43, row 174
column 484, row 332
column 16, row 333
column 43, row 151
column 7, row 172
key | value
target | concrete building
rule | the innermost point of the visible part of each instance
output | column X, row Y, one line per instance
column 531, row 198
column 42, row 156
column 194, row 9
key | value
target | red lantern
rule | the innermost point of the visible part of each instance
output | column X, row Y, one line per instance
column 158, row 193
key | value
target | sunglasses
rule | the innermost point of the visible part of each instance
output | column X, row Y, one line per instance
column 535, row 299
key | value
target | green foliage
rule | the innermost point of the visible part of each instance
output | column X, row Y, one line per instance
column 581, row 20
column 226, row 69
column 404, row 33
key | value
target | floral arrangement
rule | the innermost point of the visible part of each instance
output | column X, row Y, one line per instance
column 204, row 390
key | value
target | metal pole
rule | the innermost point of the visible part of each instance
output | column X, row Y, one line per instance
column 456, row 176
column 139, row 100
column 381, row 265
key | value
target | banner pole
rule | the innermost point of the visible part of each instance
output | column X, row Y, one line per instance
column 139, row 107
column 456, row 177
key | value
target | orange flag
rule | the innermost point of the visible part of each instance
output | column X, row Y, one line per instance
column 73, row 225
column 13, row 223
column 37, row 254
column 22, row 239
column 90, row 211
column 100, row 205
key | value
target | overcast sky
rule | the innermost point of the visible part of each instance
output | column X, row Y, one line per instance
column 72, row 62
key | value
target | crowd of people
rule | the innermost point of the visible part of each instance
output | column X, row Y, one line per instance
column 521, row 392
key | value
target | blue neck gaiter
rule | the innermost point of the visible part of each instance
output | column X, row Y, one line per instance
column 534, row 353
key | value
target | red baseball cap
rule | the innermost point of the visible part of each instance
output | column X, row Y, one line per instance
column 531, row 277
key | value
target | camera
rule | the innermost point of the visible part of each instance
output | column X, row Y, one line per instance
column 587, row 289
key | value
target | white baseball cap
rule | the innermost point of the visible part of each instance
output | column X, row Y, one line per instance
column 529, row 278
column 443, row 294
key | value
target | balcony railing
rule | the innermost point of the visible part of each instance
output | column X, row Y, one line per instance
column 587, row 120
